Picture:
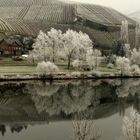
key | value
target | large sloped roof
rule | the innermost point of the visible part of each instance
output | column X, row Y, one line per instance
column 20, row 15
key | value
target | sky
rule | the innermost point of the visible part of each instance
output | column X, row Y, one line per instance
column 124, row 6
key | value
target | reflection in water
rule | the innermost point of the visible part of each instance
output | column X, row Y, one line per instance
column 17, row 128
column 131, row 126
column 2, row 129
column 32, row 103
column 84, row 129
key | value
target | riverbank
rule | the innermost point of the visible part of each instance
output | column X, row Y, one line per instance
column 63, row 76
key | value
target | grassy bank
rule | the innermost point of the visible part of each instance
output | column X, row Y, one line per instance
column 10, row 67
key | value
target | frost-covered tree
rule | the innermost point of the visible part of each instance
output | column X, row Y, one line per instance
column 135, row 70
column 123, row 64
column 47, row 68
column 92, row 57
column 131, row 126
column 135, row 57
column 55, row 37
column 40, row 47
column 47, row 46
column 124, row 31
column 75, row 45
column 127, row 50
column 137, row 37
column 76, row 64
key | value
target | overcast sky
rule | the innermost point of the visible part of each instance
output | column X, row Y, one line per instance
column 124, row 6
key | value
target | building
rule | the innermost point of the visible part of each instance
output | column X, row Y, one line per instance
column 10, row 48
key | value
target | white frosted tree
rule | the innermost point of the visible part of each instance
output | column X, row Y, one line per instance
column 127, row 50
column 47, row 46
column 137, row 36
column 92, row 58
column 76, row 45
column 123, row 64
column 135, row 57
column 40, row 47
column 76, row 64
column 124, row 31
column 55, row 37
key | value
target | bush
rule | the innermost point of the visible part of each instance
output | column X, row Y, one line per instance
column 76, row 64
column 96, row 73
column 110, row 66
column 47, row 68
column 135, row 70
column 123, row 64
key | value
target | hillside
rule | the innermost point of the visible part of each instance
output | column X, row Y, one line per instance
column 29, row 17
column 135, row 16
column 18, row 13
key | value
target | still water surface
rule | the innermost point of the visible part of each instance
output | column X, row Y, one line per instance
column 56, row 111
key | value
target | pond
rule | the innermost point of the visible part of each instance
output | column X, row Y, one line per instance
column 66, row 110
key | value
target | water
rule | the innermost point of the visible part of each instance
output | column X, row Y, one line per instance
column 55, row 111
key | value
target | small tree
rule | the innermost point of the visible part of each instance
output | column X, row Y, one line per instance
column 135, row 57
column 137, row 36
column 76, row 64
column 92, row 58
column 124, row 65
column 127, row 50
column 47, row 68
column 124, row 31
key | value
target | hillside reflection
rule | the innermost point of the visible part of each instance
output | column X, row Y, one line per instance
column 31, row 103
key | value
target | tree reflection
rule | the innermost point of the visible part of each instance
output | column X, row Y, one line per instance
column 17, row 128
column 84, row 128
column 131, row 126
column 62, row 100
column 2, row 129
column 77, row 96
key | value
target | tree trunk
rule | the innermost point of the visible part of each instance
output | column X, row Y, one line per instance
column 69, row 62
column 53, row 52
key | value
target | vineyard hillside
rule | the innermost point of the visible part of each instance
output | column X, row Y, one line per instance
column 27, row 17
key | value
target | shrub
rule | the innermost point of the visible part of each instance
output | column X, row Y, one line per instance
column 47, row 68
column 123, row 64
column 135, row 70
column 110, row 66
column 76, row 64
